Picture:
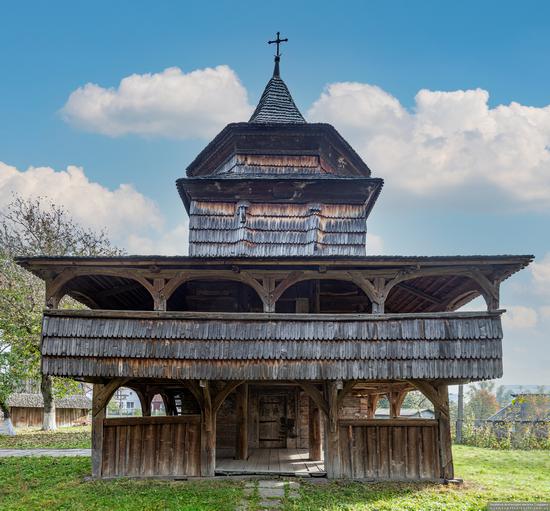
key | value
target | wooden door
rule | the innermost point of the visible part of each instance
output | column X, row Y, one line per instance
column 272, row 421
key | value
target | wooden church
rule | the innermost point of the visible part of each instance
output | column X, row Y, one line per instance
column 273, row 340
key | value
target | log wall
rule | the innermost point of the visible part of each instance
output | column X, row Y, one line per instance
column 397, row 449
column 151, row 446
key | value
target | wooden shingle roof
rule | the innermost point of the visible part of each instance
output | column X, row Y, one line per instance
column 276, row 105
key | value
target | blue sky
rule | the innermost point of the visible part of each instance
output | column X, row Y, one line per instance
column 469, row 202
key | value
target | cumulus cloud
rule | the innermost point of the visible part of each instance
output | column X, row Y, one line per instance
column 447, row 142
column 541, row 274
column 170, row 103
column 170, row 242
column 519, row 317
column 375, row 244
column 120, row 211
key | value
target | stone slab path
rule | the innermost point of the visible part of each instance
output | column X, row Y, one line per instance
column 9, row 453
column 270, row 494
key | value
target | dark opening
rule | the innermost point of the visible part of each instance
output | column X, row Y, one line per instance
column 324, row 296
column 215, row 296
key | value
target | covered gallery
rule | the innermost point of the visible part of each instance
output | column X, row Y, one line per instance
column 273, row 341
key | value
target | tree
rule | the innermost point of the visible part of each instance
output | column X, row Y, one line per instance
column 482, row 402
column 38, row 227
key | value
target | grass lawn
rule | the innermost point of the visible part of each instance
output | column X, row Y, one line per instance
column 75, row 437
column 58, row 484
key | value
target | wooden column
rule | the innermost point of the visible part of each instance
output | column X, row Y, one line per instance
column 445, row 442
column 98, row 414
column 439, row 396
column 208, row 432
column 332, row 458
column 314, row 431
column 241, row 451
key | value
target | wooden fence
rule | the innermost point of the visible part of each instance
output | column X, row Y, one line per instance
column 151, row 446
column 396, row 449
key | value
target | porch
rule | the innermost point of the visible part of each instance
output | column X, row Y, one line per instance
column 276, row 462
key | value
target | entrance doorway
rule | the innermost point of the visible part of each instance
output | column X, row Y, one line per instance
column 272, row 421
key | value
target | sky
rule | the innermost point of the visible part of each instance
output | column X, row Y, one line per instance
column 104, row 104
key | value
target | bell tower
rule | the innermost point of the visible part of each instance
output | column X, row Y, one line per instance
column 278, row 186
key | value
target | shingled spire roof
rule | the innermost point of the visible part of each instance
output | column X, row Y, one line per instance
column 276, row 104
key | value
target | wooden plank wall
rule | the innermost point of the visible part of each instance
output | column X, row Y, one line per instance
column 23, row 417
column 151, row 446
column 397, row 449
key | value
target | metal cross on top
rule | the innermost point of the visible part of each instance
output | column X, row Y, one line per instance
column 278, row 41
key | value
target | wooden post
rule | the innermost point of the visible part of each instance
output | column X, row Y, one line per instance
column 460, row 416
column 445, row 442
column 372, row 403
column 332, row 459
column 314, row 431
column 98, row 414
column 208, row 432
column 241, row 451
column 396, row 398
column 439, row 396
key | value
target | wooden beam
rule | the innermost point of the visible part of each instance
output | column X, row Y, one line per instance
column 241, row 451
column 332, row 458
column 314, row 430
column 224, row 392
column 208, row 432
column 313, row 392
column 98, row 416
column 419, row 293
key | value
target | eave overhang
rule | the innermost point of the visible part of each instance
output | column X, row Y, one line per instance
column 325, row 190
column 289, row 139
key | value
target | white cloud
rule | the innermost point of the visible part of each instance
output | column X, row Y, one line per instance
column 120, row 211
column 170, row 242
column 544, row 311
column 375, row 244
column 170, row 103
column 449, row 141
column 519, row 317
column 541, row 274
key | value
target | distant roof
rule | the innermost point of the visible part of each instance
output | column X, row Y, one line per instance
column 27, row 400
column 276, row 104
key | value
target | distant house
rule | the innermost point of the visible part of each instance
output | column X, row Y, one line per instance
column 409, row 413
column 27, row 409
column 524, row 410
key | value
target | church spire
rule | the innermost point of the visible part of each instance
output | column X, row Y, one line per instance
column 276, row 104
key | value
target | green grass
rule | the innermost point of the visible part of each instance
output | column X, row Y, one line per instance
column 488, row 475
column 75, row 437
column 59, row 484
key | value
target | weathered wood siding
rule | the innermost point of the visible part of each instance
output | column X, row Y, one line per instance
column 23, row 417
column 229, row 346
column 238, row 229
column 151, row 446
column 389, row 449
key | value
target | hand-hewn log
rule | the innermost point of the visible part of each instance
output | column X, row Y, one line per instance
column 445, row 443
column 208, row 432
column 241, row 451
column 314, row 423
column 98, row 415
column 332, row 458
